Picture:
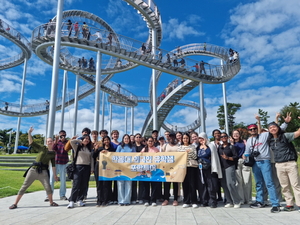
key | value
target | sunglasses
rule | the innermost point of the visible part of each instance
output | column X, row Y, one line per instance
column 252, row 129
column 224, row 136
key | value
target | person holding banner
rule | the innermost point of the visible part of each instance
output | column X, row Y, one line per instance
column 124, row 186
column 104, row 190
column 189, row 184
column 172, row 146
column 154, row 185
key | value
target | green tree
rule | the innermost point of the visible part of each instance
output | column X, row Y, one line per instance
column 263, row 118
column 294, row 125
column 232, row 108
column 4, row 138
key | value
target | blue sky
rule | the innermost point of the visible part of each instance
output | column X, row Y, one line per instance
column 265, row 33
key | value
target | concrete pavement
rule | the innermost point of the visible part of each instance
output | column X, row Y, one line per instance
column 33, row 210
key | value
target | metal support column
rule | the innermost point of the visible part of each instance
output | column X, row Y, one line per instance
column 132, row 120
column 63, row 100
column 110, row 118
column 55, row 69
column 21, row 105
column 225, row 103
column 202, row 119
column 103, row 110
column 154, row 99
column 97, row 91
column 76, row 104
column 125, row 120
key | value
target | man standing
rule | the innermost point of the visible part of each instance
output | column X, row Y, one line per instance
column 257, row 144
column 61, row 161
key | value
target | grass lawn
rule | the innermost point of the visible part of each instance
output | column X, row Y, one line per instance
column 11, row 182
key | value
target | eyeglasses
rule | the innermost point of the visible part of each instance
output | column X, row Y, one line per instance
column 224, row 136
column 252, row 129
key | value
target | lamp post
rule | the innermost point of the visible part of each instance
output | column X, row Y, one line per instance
column 9, row 141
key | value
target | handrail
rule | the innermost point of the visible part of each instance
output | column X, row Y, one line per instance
column 217, row 73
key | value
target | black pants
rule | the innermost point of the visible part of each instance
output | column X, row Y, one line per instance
column 154, row 191
column 114, row 193
column 167, row 187
column 80, row 182
column 189, row 186
column 207, row 188
column 137, row 192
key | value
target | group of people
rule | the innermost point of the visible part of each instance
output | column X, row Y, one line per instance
column 83, row 63
column 210, row 167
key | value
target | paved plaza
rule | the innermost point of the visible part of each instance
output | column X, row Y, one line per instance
column 33, row 210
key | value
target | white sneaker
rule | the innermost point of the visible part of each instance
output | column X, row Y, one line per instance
column 237, row 206
column 195, row 206
column 154, row 204
column 185, row 205
column 71, row 205
column 228, row 205
column 80, row 203
column 146, row 204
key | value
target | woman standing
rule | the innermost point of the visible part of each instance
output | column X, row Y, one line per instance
column 285, row 157
column 84, row 167
column 172, row 146
column 103, row 187
column 124, row 186
column 228, row 158
column 179, row 138
column 243, row 173
column 137, row 197
column 39, row 170
column 210, row 175
column 189, row 184
column 154, row 185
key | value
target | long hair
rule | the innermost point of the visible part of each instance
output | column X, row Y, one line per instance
column 240, row 138
column 123, row 144
column 186, row 134
column 89, row 145
column 147, row 147
column 106, row 137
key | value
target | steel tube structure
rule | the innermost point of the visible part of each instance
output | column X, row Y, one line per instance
column 132, row 120
column 55, row 70
column 21, row 105
column 202, row 117
column 154, row 99
column 103, row 110
column 63, row 100
column 97, row 91
column 125, row 120
column 110, row 118
column 76, row 104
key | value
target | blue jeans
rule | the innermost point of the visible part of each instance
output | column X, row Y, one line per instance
column 124, row 191
column 61, row 170
column 262, row 171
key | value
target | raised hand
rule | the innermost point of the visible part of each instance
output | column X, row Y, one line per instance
column 288, row 117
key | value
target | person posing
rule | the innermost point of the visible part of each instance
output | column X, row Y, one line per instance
column 189, row 184
column 84, row 167
column 124, row 186
column 172, row 146
column 39, row 169
column 154, row 185
column 179, row 138
column 115, row 143
column 137, row 195
column 285, row 157
column 258, row 145
column 61, row 160
column 228, row 159
column 104, row 190
column 243, row 173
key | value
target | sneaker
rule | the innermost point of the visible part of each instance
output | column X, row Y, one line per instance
column 154, row 204
column 275, row 209
column 185, row 205
column 257, row 205
column 115, row 202
column 104, row 204
column 80, row 203
column 228, row 205
column 141, row 202
column 237, row 206
column 71, row 205
column 146, row 204
column 213, row 206
column 64, row 198
column 166, row 202
column 111, row 203
column 46, row 199
column 288, row 208
column 195, row 206
column 133, row 202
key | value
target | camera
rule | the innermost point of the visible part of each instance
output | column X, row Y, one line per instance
column 256, row 153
